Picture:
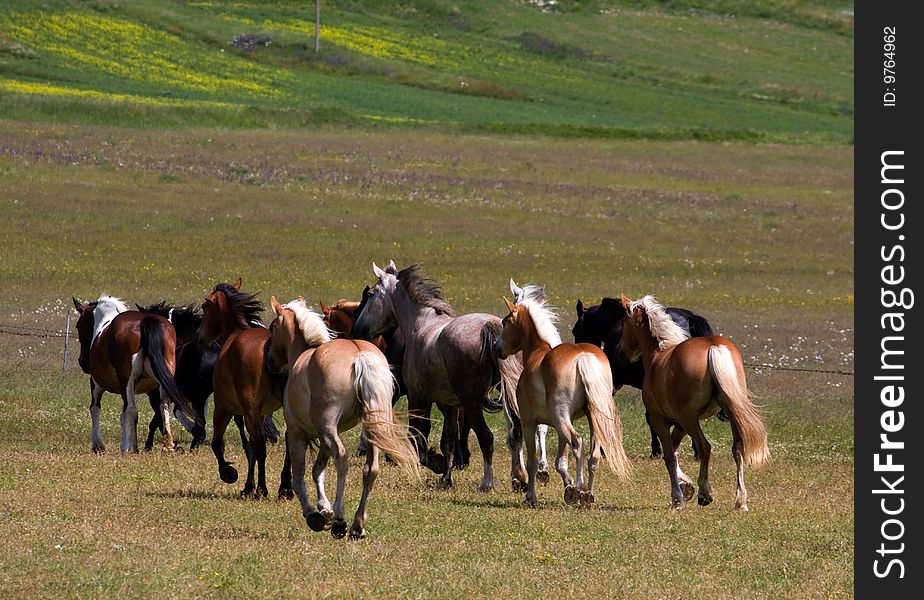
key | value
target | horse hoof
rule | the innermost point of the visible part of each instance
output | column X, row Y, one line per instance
column 655, row 456
column 260, row 493
column 248, row 492
column 436, row 463
column 357, row 534
column 688, row 490
column 572, row 494
column 704, row 500
column 338, row 529
column 529, row 502
column 677, row 503
column 517, row 485
column 484, row 488
column 228, row 474
column 587, row 499
column 742, row 507
column 316, row 521
column 99, row 449
column 286, row 493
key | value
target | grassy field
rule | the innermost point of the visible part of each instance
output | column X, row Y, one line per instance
column 756, row 237
column 775, row 70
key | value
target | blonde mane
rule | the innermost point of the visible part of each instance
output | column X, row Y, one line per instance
column 106, row 309
column 544, row 320
column 310, row 323
column 662, row 327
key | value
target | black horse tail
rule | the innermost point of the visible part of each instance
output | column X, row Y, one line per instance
column 490, row 332
column 152, row 344
column 270, row 431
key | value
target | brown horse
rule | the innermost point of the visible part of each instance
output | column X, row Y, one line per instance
column 561, row 382
column 243, row 384
column 332, row 387
column 129, row 352
column 688, row 380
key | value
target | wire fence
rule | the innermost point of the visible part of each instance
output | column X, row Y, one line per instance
column 38, row 332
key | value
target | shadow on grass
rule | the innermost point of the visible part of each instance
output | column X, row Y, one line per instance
column 232, row 496
column 550, row 505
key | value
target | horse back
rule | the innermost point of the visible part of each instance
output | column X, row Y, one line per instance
column 240, row 372
column 111, row 354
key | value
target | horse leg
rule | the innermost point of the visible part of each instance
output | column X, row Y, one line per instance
column 370, row 472
column 220, row 420
column 561, row 459
column 448, row 439
column 543, row 474
column 532, row 466
column 331, row 440
column 297, row 445
column 655, row 444
column 741, row 493
column 245, row 443
column 198, row 431
column 463, row 454
column 129, row 418
column 593, row 460
column 670, row 459
column 256, row 458
column 164, row 411
column 285, row 477
column 518, row 475
column 96, row 395
column 686, row 484
column 157, row 421
column 577, row 448
column 363, row 446
column 486, row 443
column 704, row 497
column 319, row 474
column 419, row 427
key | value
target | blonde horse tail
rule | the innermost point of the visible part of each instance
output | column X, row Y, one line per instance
column 735, row 399
column 603, row 413
column 510, row 370
column 374, row 385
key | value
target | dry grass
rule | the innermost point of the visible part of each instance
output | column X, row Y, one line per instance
column 758, row 238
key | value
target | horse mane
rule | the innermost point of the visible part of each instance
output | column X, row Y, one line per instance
column 310, row 323
column 345, row 305
column 533, row 292
column 116, row 304
column 423, row 292
column 183, row 317
column 545, row 321
column 244, row 306
column 662, row 327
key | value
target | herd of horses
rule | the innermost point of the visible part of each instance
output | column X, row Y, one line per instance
column 349, row 364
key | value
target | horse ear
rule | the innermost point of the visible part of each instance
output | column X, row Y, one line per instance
column 510, row 305
column 301, row 298
column 379, row 273
column 579, row 308
column 626, row 303
column 79, row 305
column 277, row 308
column 516, row 290
column 393, row 266
column 237, row 284
column 324, row 308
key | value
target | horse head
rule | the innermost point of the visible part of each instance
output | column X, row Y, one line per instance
column 376, row 314
column 85, row 322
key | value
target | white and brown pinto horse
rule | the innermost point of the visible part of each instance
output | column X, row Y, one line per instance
column 688, row 380
column 562, row 382
column 332, row 387
column 128, row 352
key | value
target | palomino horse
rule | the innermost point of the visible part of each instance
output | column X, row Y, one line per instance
column 561, row 382
column 601, row 325
column 194, row 368
column 244, row 385
column 128, row 352
column 333, row 386
column 688, row 380
column 448, row 360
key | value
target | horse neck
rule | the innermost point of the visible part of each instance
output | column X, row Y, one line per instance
column 408, row 313
column 532, row 343
column 297, row 345
column 649, row 346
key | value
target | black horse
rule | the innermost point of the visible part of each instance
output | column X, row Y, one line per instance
column 601, row 325
column 194, row 367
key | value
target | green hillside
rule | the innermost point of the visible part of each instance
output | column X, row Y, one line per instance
column 772, row 70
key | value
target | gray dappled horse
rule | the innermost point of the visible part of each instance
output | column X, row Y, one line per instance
column 448, row 360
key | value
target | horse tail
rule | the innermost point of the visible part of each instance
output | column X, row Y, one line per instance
column 152, row 345
column 735, row 400
column 699, row 326
column 603, row 413
column 490, row 331
column 375, row 385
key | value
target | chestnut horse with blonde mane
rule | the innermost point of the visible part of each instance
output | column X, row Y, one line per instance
column 688, row 380
column 332, row 387
column 243, row 383
column 128, row 352
column 561, row 382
